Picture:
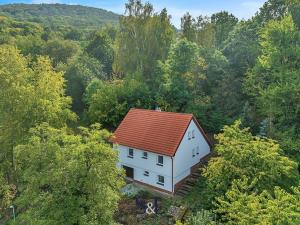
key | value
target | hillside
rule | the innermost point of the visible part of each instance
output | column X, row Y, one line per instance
column 58, row 16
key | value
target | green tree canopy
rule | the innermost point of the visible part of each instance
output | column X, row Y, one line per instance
column 199, row 30
column 79, row 73
column 6, row 195
column 60, row 51
column 188, row 27
column 242, row 206
column 68, row 178
column 274, row 82
column 224, row 23
column 30, row 94
column 181, row 71
column 144, row 38
column 108, row 102
column 101, row 48
column 241, row 154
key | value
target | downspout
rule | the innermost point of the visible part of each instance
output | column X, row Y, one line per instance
column 172, row 177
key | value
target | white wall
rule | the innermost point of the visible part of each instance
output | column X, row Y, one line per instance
column 140, row 165
column 183, row 159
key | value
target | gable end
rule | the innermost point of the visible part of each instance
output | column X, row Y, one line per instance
column 200, row 129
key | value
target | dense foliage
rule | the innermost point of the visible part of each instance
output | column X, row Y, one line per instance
column 242, row 155
column 274, row 83
column 68, row 178
column 63, row 67
column 30, row 94
column 144, row 38
column 242, row 205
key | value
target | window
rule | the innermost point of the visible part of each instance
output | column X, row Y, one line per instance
column 130, row 153
column 198, row 151
column 193, row 152
column 145, row 155
column 189, row 135
column 161, row 180
column 193, row 133
column 160, row 160
column 146, row 173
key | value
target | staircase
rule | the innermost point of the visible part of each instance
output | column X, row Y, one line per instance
column 192, row 179
column 189, row 183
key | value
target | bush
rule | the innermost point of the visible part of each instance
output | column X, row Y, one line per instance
column 203, row 217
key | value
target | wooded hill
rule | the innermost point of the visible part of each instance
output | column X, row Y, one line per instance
column 58, row 16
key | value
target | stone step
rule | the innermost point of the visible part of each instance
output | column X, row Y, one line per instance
column 191, row 182
column 188, row 185
column 192, row 179
column 186, row 188
column 195, row 175
column 182, row 192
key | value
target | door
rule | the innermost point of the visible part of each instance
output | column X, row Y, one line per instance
column 129, row 171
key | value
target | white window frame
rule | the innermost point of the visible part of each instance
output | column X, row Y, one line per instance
column 189, row 135
column 198, row 150
column 158, row 163
column 158, row 180
column 193, row 152
column 128, row 153
column 146, row 173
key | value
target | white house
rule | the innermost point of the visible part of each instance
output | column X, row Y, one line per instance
column 159, row 149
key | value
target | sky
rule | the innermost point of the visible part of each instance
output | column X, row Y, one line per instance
column 243, row 9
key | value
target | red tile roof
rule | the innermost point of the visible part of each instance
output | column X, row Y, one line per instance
column 154, row 131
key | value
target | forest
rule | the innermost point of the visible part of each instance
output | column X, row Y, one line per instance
column 61, row 17
column 67, row 82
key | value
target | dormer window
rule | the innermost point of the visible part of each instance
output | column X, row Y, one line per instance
column 160, row 160
column 145, row 155
column 193, row 133
column 130, row 153
column 189, row 135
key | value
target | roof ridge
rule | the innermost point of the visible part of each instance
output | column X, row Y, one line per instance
column 155, row 111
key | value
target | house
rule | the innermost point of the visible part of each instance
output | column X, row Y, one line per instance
column 160, row 149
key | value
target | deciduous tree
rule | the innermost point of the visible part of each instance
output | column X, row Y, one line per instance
column 181, row 71
column 144, row 38
column 29, row 95
column 108, row 102
column 224, row 23
column 101, row 48
column 241, row 154
column 79, row 73
column 242, row 205
column 68, row 178
column 274, row 82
